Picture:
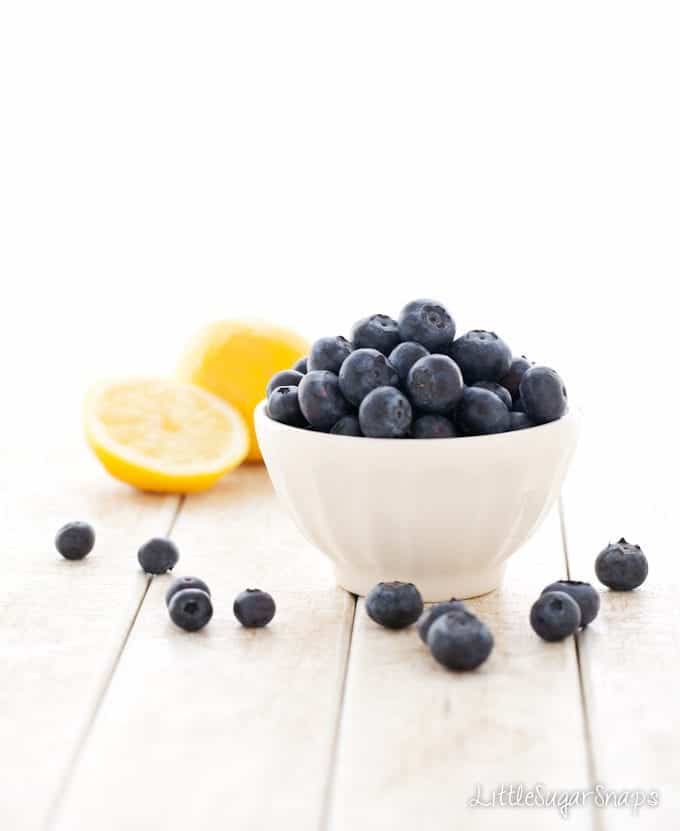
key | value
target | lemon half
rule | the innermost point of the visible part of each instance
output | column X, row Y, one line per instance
column 235, row 359
column 164, row 435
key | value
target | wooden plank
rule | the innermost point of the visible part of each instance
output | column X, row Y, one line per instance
column 226, row 728
column 415, row 739
column 62, row 623
column 621, row 486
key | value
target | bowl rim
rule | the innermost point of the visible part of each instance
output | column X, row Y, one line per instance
column 572, row 416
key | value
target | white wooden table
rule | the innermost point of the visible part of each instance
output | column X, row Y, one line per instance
column 111, row 718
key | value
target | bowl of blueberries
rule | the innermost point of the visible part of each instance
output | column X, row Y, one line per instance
column 446, row 514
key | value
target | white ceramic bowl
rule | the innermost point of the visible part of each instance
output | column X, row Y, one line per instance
column 444, row 514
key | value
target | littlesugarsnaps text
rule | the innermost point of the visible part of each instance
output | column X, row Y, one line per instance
column 518, row 795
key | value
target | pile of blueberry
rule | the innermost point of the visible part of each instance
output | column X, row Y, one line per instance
column 188, row 599
column 412, row 378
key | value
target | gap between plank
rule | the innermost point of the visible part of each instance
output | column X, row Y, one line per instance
column 72, row 763
column 590, row 755
column 327, row 803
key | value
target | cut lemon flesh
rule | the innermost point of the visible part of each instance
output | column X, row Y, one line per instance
column 163, row 435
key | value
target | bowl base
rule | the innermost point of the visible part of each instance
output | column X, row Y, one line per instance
column 432, row 589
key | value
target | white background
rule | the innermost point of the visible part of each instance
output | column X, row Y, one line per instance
column 166, row 163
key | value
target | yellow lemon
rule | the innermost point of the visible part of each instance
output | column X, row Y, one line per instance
column 235, row 359
column 163, row 435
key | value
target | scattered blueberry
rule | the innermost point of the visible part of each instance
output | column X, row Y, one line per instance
column 75, row 540
column 427, row 322
column 520, row 421
column 190, row 609
column 158, row 555
column 254, row 608
column 498, row 390
column 514, row 375
column 435, row 384
column 481, row 412
column 621, row 566
column 363, row 371
column 376, row 332
column 585, row 595
column 181, row 583
column 518, row 406
column 301, row 365
column 481, row 356
column 555, row 616
column 543, row 394
column 460, row 640
column 429, row 616
column 385, row 413
column 284, row 406
column 394, row 605
column 321, row 401
column 285, row 378
column 433, row 427
column 347, row 426
column 328, row 353
column 403, row 357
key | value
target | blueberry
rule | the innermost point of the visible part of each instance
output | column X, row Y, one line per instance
column 181, row 583
column 347, row 426
column 496, row 389
column 555, row 616
column 433, row 427
column 481, row 356
column 429, row 616
column 427, row 322
column 301, row 365
column 621, row 566
column 394, row 605
column 481, row 412
column 376, row 332
column 328, row 353
column 158, row 555
column 514, row 375
column 190, row 609
column 363, row 371
column 435, row 384
column 543, row 394
column 587, row 598
column 518, row 406
column 254, row 608
column 285, row 378
column 321, row 401
column 403, row 357
column 520, row 421
column 75, row 540
column 460, row 640
column 385, row 413
column 284, row 406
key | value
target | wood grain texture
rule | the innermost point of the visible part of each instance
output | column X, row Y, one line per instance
column 416, row 739
column 62, row 624
column 226, row 728
column 630, row 655
column 235, row 728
